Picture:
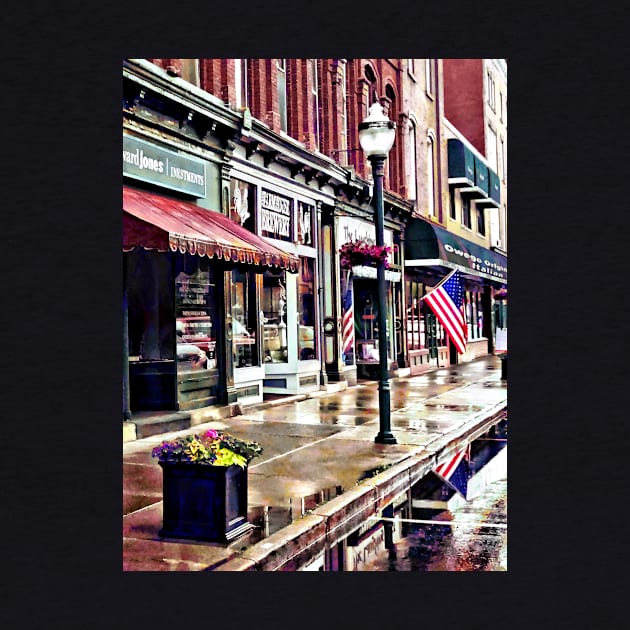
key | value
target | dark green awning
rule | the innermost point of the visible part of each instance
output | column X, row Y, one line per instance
column 461, row 164
column 494, row 199
column 429, row 245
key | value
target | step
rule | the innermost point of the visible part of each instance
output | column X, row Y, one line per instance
column 154, row 423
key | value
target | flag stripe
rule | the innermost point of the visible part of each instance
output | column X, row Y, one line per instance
column 446, row 301
column 447, row 316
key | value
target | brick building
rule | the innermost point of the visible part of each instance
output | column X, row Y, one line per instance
column 272, row 146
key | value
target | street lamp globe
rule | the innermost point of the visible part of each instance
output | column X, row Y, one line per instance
column 376, row 132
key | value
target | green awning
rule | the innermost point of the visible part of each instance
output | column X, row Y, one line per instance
column 494, row 199
column 427, row 245
column 461, row 164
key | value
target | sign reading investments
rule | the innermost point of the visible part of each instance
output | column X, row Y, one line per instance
column 276, row 216
column 150, row 163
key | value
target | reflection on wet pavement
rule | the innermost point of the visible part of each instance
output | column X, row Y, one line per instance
column 468, row 546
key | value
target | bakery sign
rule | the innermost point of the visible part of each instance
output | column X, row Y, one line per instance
column 276, row 216
column 156, row 165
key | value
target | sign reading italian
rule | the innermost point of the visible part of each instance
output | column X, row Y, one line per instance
column 150, row 163
column 276, row 216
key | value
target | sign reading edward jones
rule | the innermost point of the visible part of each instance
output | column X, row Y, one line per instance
column 150, row 163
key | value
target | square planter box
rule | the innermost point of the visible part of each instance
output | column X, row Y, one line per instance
column 204, row 502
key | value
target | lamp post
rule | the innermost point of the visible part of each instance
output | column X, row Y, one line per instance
column 376, row 136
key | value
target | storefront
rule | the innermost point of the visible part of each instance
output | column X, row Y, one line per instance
column 177, row 254
column 360, row 303
column 431, row 252
column 280, row 309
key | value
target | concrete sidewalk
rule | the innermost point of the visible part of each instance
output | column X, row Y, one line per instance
column 318, row 478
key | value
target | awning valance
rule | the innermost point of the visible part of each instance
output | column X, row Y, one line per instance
column 151, row 221
column 429, row 245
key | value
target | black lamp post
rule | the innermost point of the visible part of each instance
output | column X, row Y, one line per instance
column 376, row 136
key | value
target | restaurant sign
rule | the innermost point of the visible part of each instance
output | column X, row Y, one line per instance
column 156, row 165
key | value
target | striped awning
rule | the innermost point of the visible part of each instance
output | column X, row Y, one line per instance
column 151, row 221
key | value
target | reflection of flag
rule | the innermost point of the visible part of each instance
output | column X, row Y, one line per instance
column 446, row 302
column 347, row 344
column 455, row 472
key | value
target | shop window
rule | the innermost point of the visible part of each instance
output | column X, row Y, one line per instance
column 275, row 349
column 416, row 330
column 150, row 306
column 196, row 303
column 366, row 320
column 307, row 347
column 473, row 311
column 244, row 319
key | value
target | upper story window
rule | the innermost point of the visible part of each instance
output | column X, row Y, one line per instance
column 281, row 72
column 240, row 79
column 491, row 92
column 372, row 93
column 501, row 107
column 429, row 74
column 343, row 112
column 491, row 148
column 411, row 66
column 315, row 101
column 481, row 221
column 503, row 158
column 430, row 177
column 190, row 71
column 411, row 162
column 466, row 219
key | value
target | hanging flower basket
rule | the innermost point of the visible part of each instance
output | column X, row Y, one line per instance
column 355, row 253
column 204, row 486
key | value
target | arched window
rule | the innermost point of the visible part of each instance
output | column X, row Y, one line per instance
column 372, row 91
column 240, row 80
column 281, row 72
column 412, row 183
column 430, row 176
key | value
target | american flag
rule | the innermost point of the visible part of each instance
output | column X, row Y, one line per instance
column 348, row 323
column 446, row 301
column 455, row 472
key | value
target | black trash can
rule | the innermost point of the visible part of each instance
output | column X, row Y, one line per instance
column 503, row 358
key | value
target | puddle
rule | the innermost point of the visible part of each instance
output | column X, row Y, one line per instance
column 453, row 407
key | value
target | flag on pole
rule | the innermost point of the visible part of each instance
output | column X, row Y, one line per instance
column 446, row 301
column 348, row 323
column 455, row 472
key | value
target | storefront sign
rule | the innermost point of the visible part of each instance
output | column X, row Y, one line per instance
column 363, row 271
column 276, row 216
column 351, row 229
column 150, row 163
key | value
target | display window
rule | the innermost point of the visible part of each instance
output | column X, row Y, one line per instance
column 274, row 303
column 474, row 314
column 366, row 320
column 150, row 306
column 307, row 347
column 244, row 319
column 196, row 303
column 416, row 325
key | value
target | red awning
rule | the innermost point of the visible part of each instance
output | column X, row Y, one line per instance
column 151, row 221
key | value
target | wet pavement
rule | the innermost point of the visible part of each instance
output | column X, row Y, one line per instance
column 476, row 539
column 314, row 450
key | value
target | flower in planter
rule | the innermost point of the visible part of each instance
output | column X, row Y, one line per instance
column 356, row 253
column 212, row 448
